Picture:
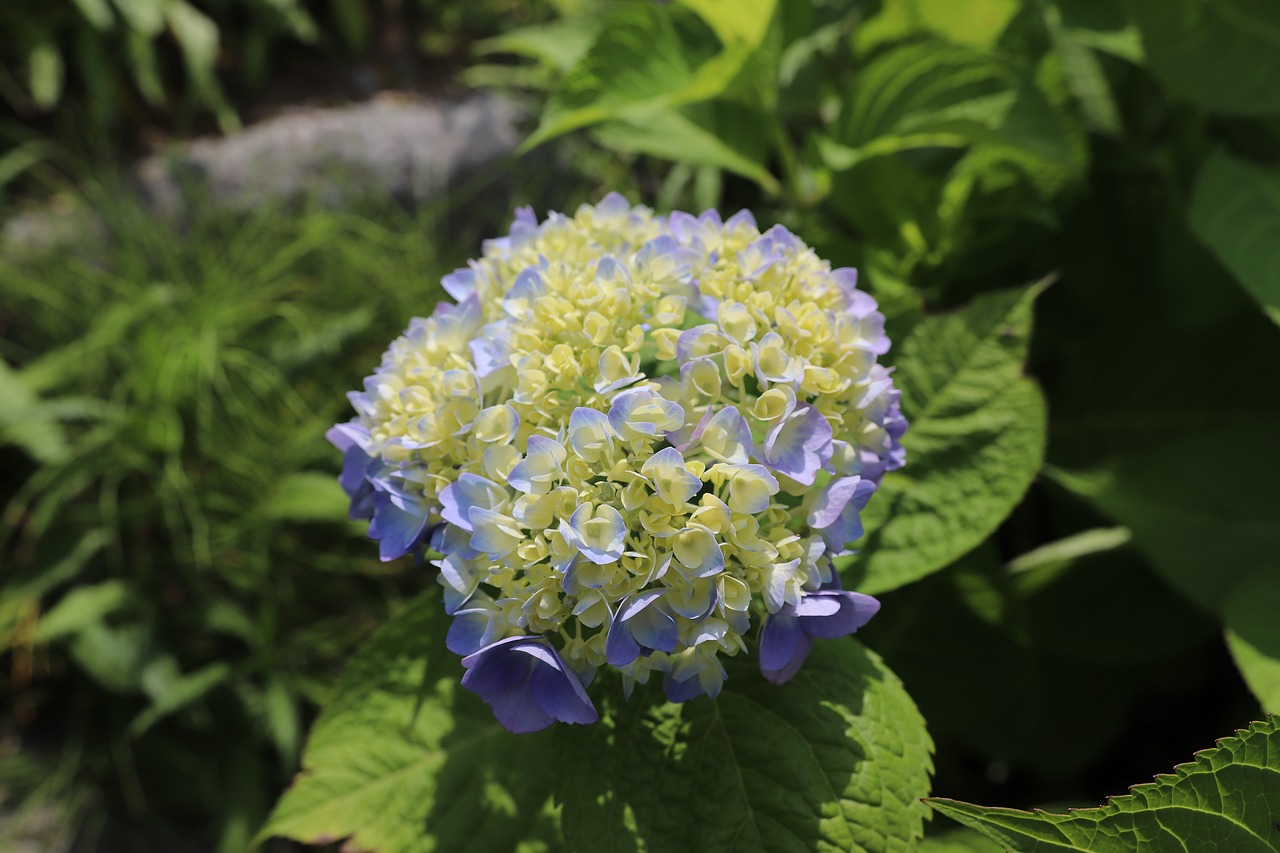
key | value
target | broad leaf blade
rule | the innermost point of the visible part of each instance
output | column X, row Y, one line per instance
column 836, row 759
column 403, row 759
column 1227, row 799
column 1223, row 55
column 975, row 444
column 1235, row 211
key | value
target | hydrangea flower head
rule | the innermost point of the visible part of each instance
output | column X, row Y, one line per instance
column 635, row 441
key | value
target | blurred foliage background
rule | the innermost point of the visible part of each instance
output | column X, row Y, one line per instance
column 1079, row 580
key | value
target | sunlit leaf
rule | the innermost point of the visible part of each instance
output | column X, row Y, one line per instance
column 976, row 441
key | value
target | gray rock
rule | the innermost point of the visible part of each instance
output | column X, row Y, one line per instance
column 397, row 146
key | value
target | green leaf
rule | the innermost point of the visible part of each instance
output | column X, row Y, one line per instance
column 1205, row 534
column 736, row 22
column 560, row 45
column 81, row 607
column 143, row 16
column 197, row 35
column 959, row 840
column 977, row 22
column 1227, row 799
column 1252, row 616
column 1223, row 55
column 1235, row 211
column 1068, row 549
column 97, row 13
column 1083, row 72
column 934, row 89
column 144, row 65
column 45, row 73
column 835, row 759
column 648, row 58
column 404, row 759
column 307, row 496
column 177, row 693
column 673, row 136
column 976, row 441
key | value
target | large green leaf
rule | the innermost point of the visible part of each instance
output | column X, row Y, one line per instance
column 1227, row 799
column 403, row 759
column 1235, row 211
column 975, row 444
column 1223, row 55
column 836, row 759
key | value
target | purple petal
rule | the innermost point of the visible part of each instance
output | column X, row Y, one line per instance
column 397, row 528
column 621, row 648
column 852, row 611
column 559, row 693
column 517, row 712
column 682, row 691
column 460, row 283
column 495, row 668
column 800, row 445
column 783, row 646
column 654, row 628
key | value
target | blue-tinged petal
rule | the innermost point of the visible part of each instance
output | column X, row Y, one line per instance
column 835, row 613
column 347, row 435
column 519, row 299
column 472, row 629
column 783, row 646
column 590, row 434
column 698, row 552
column 641, row 414
column 682, row 691
column 399, row 526
column 517, row 711
column 527, row 685
column 540, row 469
column 700, row 342
column 727, row 436
column 495, row 668
column 598, row 532
column 493, row 533
column 460, row 283
column 652, row 627
column 673, row 482
column 836, row 511
column 560, row 695
column 800, row 446
column 469, row 490
column 621, row 649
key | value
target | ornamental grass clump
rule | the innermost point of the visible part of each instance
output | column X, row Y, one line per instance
column 631, row 439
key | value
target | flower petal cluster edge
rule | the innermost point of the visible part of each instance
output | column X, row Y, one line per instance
column 629, row 439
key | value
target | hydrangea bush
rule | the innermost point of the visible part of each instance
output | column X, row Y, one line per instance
column 633, row 442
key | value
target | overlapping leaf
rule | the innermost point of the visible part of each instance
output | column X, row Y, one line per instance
column 836, row 759
column 1227, row 799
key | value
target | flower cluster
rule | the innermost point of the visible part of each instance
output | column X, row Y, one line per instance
column 629, row 438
